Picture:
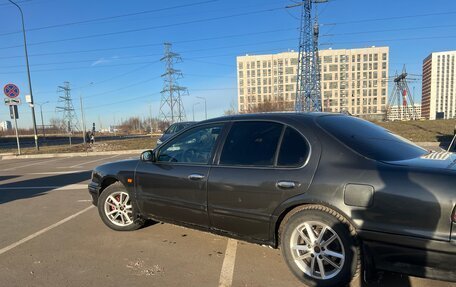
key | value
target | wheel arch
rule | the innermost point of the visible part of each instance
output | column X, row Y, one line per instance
column 287, row 211
column 107, row 181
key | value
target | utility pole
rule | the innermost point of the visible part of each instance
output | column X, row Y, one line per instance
column 308, row 92
column 28, row 75
column 171, row 106
column 150, row 118
column 83, row 122
column 205, row 106
column 193, row 109
column 42, row 121
column 69, row 115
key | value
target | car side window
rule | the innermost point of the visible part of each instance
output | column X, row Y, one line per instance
column 194, row 146
column 293, row 150
column 251, row 144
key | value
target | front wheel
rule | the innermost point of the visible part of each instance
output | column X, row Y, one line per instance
column 116, row 209
column 319, row 247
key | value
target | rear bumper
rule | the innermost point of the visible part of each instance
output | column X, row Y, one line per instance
column 414, row 256
column 94, row 190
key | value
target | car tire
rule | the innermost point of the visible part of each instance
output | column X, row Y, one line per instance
column 307, row 251
column 116, row 209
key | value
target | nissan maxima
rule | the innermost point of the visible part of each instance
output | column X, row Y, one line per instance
column 340, row 196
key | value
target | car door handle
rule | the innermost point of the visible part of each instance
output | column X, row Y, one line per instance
column 286, row 184
column 195, row 176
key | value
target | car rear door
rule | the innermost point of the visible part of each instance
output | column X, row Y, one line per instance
column 174, row 187
column 254, row 175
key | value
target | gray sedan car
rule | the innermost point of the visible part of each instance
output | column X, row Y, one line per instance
column 340, row 196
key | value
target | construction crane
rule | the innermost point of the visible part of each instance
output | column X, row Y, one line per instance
column 308, row 94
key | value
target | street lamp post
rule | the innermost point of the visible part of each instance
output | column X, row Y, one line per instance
column 205, row 107
column 28, row 74
column 42, row 121
column 193, row 109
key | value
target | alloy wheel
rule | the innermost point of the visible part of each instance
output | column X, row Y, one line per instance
column 118, row 209
column 317, row 250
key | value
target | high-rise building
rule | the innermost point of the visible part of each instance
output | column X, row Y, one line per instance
column 439, row 87
column 352, row 80
column 6, row 126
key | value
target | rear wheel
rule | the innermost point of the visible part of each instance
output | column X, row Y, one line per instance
column 320, row 247
column 116, row 209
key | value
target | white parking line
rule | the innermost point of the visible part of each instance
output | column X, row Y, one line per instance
column 226, row 275
column 64, row 187
column 30, row 237
column 32, row 164
column 56, row 172
column 84, row 163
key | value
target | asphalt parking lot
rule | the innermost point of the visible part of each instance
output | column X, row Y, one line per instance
column 52, row 236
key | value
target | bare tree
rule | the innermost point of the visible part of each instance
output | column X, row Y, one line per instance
column 269, row 106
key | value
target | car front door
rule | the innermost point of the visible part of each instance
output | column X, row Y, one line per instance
column 174, row 186
column 261, row 165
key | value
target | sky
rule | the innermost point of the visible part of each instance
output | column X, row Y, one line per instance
column 110, row 51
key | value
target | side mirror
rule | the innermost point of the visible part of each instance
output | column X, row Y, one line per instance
column 148, row 155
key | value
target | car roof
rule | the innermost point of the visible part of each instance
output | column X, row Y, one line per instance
column 272, row 116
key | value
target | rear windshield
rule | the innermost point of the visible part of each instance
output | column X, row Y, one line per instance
column 370, row 140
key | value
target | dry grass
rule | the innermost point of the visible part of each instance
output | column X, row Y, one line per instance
column 112, row 145
column 422, row 131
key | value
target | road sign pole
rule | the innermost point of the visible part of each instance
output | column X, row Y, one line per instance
column 83, row 122
column 17, row 134
column 32, row 106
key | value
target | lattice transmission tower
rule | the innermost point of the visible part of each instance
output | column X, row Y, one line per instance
column 401, row 100
column 308, row 95
column 171, row 105
column 66, row 107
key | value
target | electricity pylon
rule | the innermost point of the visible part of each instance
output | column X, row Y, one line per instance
column 171, row 106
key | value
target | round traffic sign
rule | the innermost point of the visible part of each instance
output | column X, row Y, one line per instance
column 11, row 91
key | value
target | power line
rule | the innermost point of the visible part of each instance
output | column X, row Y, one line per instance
column 149, row 28
column 390, row 18
column 389, row 30
column 391, row 40
column 208, row 39
column 127, row 64
column 111, row 17
column 151, row 44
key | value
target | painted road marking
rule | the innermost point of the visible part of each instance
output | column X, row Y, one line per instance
column 56, row 188
column 226, row 275
column 31, row 164
column 57, row 172
column 84, row 163
column 38, row 233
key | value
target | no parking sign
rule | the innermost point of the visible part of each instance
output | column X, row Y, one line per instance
column 11, row 91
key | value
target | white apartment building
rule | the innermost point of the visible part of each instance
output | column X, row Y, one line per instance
column 399, row 113
column 6, row 126
column 439, row 87
column 353, row 80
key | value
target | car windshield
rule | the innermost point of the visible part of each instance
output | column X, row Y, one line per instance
column 177, row 128
column 370, row 140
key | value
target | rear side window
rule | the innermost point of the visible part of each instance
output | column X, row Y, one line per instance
column 369, row 139
column 294, row 149
column 251, row 144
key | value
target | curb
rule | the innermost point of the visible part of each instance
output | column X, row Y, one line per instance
column 73, row 154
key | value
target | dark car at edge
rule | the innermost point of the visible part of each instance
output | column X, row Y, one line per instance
column 340, row 196
column 172, row 130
